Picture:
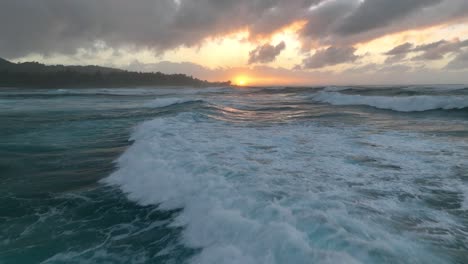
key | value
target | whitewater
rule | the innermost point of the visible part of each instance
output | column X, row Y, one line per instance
column 402, row 104
column 236, row 175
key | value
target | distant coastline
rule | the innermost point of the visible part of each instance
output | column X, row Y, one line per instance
column 37, row 75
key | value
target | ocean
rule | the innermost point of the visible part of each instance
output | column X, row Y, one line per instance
column 234, row 175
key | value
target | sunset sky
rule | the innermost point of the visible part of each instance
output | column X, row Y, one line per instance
column 251, row 42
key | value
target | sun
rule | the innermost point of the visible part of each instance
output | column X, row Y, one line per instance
column 241, row 80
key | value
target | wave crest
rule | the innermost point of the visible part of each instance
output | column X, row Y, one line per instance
column 402, row 104
column 165, row 102
column 282, row 198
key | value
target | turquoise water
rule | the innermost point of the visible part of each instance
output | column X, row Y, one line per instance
column 224, row 175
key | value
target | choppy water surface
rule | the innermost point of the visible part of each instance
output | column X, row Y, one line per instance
column 225, row 175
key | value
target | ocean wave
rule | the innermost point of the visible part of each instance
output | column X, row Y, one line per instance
column 437, row 88
column 148, row 91
column 417, row 103
column 335, row 88
column 302, row 194
column 165, row 102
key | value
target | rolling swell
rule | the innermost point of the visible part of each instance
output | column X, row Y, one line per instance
column 416, row 103
column 168, row 102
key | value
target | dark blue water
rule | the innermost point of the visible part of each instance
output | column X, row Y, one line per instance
column 224, row 175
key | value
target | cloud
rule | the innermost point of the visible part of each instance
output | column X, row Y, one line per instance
column 438, row 50
column 64, row 26
column 401, row 49
column 431, row 51
column 395, row 58
column 373, row 14
column 324, row 18
column 404, row 74
column 430, row 46
column 359, row 74
column 398, row 53
column 266, row 53
column 266, row 75
column 330, row 56
column 347, row 22
column 460, row 62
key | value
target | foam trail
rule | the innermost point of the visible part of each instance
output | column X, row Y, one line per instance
column 401, row 104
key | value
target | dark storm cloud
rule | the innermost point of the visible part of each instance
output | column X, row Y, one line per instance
column 330, row 56
column 63, row 26
column 346, row 22
column 266, row 53
column 323, row 18
column 373, row 14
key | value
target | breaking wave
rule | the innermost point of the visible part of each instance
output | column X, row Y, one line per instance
column 286, row 197
column 397, row 103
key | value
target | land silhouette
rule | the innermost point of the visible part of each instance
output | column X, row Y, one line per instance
column 37, row 75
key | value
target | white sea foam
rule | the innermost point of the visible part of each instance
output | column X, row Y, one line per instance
column 397, row 103
column 294, row 194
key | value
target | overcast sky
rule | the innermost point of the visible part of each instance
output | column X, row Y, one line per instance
column 265, row 41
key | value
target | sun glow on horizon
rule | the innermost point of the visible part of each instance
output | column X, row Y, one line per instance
column 241, row 80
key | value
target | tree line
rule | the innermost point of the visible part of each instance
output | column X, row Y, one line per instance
column 39, row 75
